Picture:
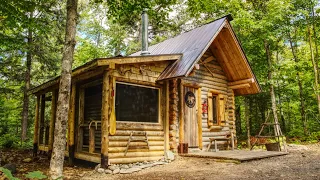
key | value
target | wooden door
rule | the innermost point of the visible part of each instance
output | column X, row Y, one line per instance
column 190, row 116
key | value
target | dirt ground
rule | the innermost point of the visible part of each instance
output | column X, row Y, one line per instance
column 298, row 164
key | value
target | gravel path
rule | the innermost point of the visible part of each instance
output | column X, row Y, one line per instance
column 299, row 164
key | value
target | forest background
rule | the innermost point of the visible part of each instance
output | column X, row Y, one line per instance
column 279, row 37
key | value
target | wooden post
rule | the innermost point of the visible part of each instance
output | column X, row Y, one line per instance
column 71, row 121
column 181, row 114
column 91, row 139
column 166, row 124
column 199, row 118
column 42, row 111
column 36, row 128
column 52, row 120
column 80, row 119
column 105, row 119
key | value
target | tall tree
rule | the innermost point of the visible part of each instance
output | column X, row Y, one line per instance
column 59, row 145
column 25, row 108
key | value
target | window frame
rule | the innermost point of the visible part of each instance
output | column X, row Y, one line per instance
column 212, row 94
column 144, row 86
column 221, row 102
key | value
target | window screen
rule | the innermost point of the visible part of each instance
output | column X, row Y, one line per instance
column 136, row 103
column 93, row 103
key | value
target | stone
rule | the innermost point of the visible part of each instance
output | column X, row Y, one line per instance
column 97, row 167
column 145, row 162
column 169, row 155
column 124, row 166
column 11, row 167
column 159, row 163
column 130, row 165
column 130, row 170
column 146, row 166
column 108, row 171
column 100, row 170
column 113, row 167
column 27, row 160
column 116, row 171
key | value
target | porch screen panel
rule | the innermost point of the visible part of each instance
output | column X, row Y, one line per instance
column 137, row 103
column 92, row 112
column 93, row 103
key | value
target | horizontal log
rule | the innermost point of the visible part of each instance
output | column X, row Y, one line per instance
column 201, row 80
column 240, row 86
column 203, row 85
column 122, row 149
column 138, row 133
column 126, row 138
column 136, row 154
column 133, row 159
column 244, row 81
column 211, row 77
column 88, row 157
column 139, row 126
column 124, row 144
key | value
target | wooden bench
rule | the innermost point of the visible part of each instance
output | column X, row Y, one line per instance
column 227, row 137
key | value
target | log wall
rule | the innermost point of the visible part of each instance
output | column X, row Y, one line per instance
column 142, row 74
column 211, row 78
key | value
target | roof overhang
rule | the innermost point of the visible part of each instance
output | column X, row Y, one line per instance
column 97, row 66
column 229, row 53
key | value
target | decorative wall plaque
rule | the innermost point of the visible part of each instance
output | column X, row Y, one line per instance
column 190, row 99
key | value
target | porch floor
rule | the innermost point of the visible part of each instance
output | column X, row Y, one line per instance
column 236, row 155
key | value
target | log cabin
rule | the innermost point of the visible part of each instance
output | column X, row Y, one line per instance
column 135, row 108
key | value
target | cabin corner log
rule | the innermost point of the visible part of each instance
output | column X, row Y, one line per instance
column 173, row 114
column 199, row 114
column 71, row 121
column 105, row 119
column 52, row 120
column 166, row 124
column 181, row 113
column 36, row 127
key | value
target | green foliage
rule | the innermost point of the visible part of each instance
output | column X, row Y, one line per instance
column 36, row 175
column 8, row 174
column 8, row 141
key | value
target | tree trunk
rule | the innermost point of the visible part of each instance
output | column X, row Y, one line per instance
column 283, row 122
column 315, row 41
column 25, row 108
column 302, row 106
column 59, row 145
column 272, row 94
column 238, row 120
column 315, row 71
column 246, row 107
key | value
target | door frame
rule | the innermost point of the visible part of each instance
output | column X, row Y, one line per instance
column 182, row 111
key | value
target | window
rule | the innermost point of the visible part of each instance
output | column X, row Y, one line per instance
column 216, row 109
column 137, row 103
